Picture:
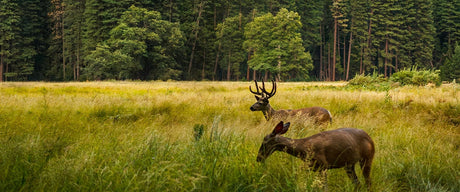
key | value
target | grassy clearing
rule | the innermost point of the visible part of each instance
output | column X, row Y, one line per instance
column 139, row 136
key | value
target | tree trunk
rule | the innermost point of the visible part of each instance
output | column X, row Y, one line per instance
column 217, row 55
column 78, row 57
column 368, row 48
column 329, row 63
column 63, row 50
column 195, row 40
column 349, row 56
column 361, row 61
column 334, row 49
column 321, row 75
column 386, row 59
column 344, row 63
column 279, row 65
column 1, row 65
column 229, row 65
column 204, row 64
column 247, row 72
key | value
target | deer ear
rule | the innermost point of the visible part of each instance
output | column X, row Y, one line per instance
column 257, row 98
column 281, row 128
column 285, row 127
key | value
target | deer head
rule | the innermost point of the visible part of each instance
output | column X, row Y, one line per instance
column 271, row 141
column 262, row 96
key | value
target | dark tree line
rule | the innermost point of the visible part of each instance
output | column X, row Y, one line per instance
column 64, row 40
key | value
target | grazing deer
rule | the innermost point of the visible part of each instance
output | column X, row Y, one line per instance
column 326, row 150
column 318, row 114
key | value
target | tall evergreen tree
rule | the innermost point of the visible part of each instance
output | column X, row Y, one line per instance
column 9, row 28
column 34, row 38
column 56, row 50
column 451, row 68
column 74, row 20
column 311, row 16
column 230, row 34
column 447, row 23
column 422, row 33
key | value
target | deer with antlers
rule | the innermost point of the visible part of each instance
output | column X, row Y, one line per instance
column 318, row 114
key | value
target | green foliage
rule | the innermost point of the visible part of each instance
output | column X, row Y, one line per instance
column 451, row 68
column 53, row 40
column 142, row 46
column 230, row 37
column 17, row 51
column 277, row 46
column 417, row 77
column 373, row 82
column 404, row 77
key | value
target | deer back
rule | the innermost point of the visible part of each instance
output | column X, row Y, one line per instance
column 338, row 148
column 319, row 115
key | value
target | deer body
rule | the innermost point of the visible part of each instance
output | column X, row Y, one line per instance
column 318, row 114
column 338, row 148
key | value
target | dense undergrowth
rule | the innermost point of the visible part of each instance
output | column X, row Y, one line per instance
column 403, row 77
column 190, row 136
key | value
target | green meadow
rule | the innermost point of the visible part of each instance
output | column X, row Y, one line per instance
column 201, row 136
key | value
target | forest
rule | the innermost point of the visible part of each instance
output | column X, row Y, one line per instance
column 226, row 40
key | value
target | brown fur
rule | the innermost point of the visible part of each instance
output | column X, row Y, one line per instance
column 318, row 114
column 338, row 148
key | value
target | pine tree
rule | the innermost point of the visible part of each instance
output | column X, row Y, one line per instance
column 74, row 32
column 9, row 28
column 447, row 23
column 451, row 68
column 34, row 41
column 423, row 34
column 231, row 36
column 56, row 50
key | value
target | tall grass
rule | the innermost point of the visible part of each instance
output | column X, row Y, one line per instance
column 142, row 136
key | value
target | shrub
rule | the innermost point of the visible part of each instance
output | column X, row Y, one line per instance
column 416, row 77
column 374, row 81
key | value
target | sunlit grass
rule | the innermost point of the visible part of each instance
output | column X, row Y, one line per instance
column 139, row 136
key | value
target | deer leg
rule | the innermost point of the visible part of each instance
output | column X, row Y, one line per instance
column 352, row 174
column 366, row 168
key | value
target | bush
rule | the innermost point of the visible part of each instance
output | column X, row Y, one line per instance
column 416, row 77
column 374, row 81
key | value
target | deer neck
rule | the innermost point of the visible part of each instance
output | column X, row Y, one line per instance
column 293, row 147
column 269, row 112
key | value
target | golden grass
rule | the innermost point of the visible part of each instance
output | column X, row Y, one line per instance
column 139, row 136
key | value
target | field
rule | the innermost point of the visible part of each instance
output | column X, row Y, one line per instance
column 201, row 136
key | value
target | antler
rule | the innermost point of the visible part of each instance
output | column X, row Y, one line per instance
column 271, row 92
column 257, row 87
column 264, row 91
